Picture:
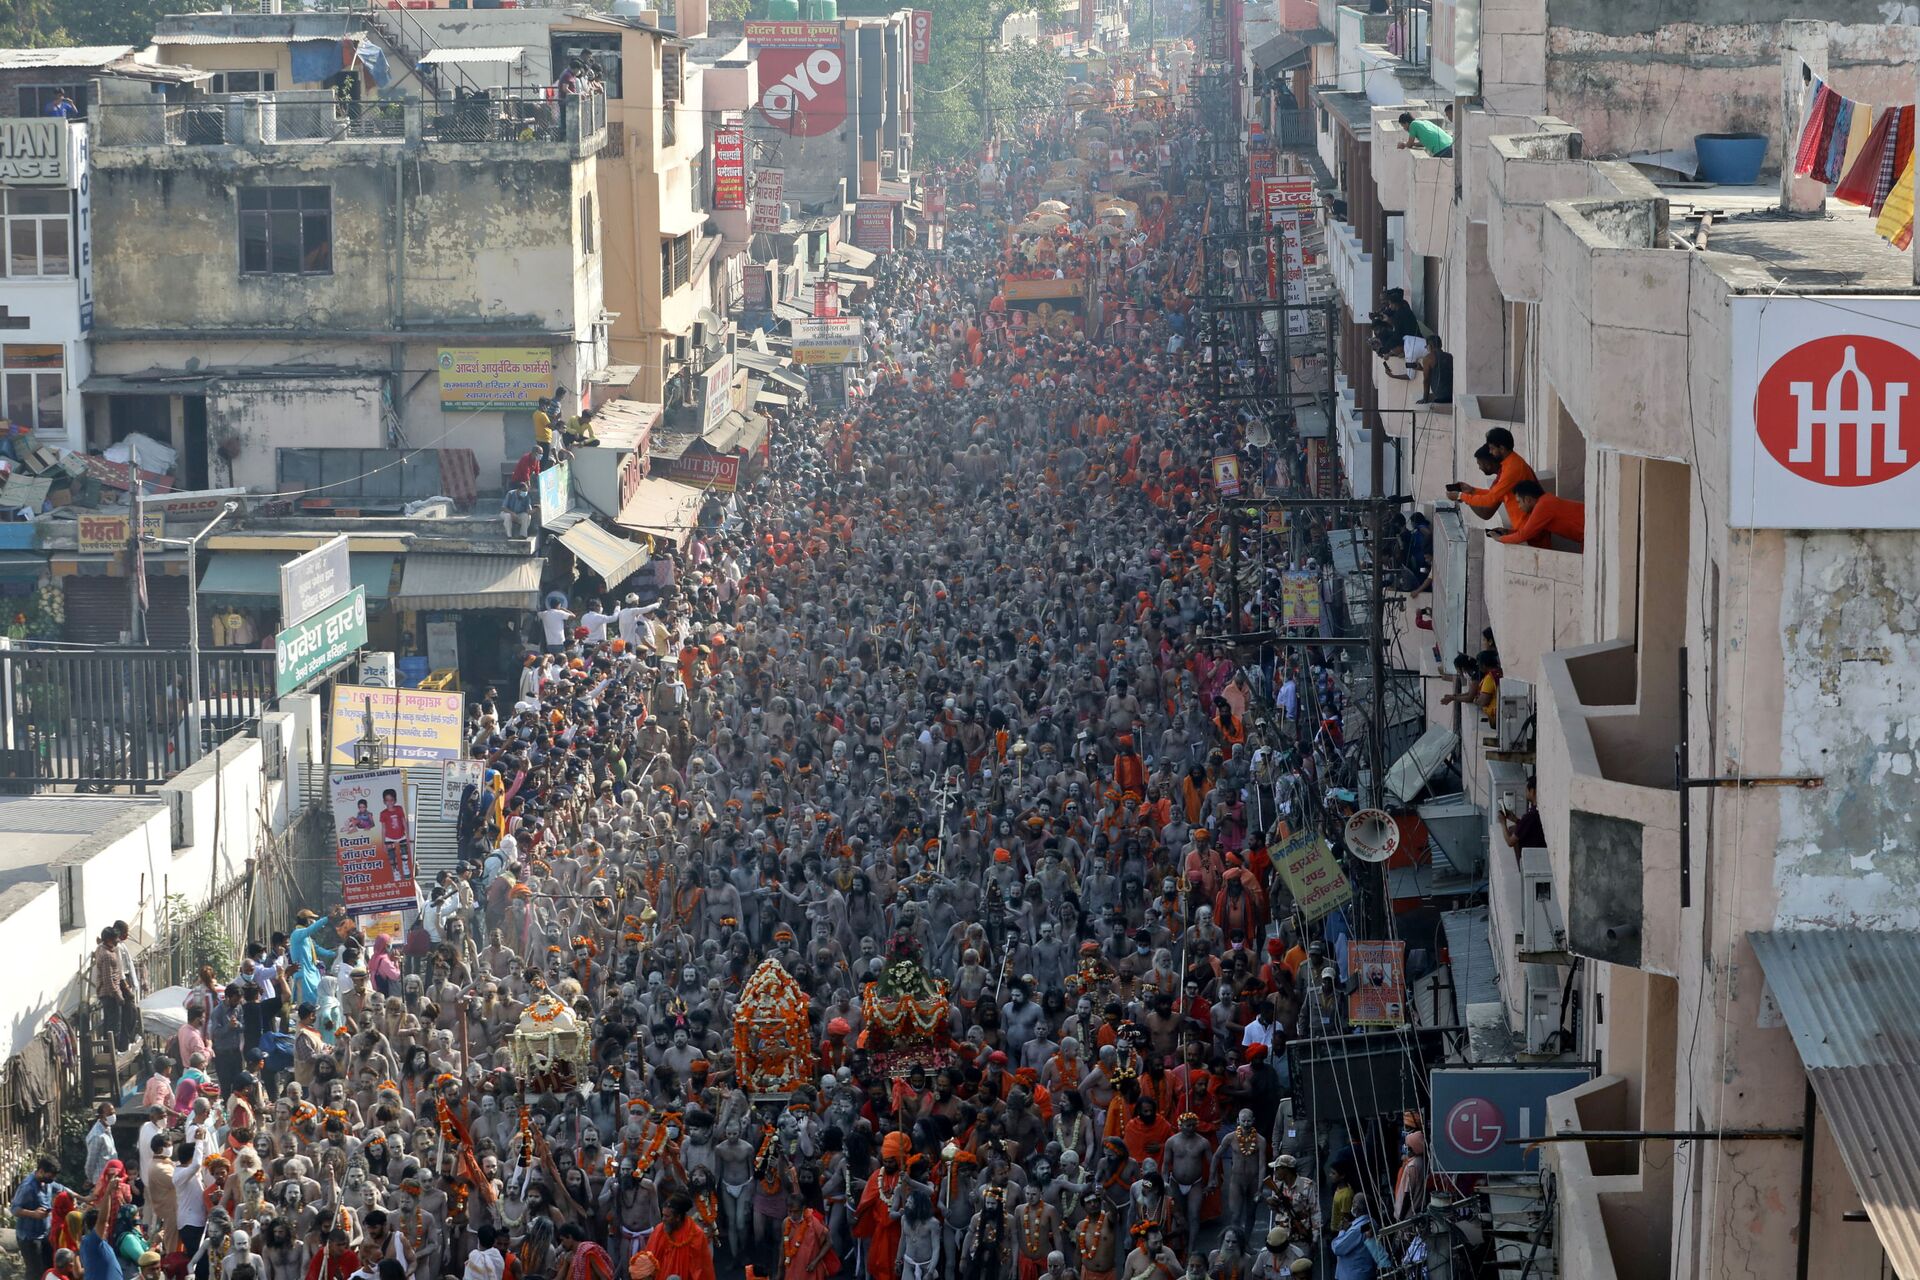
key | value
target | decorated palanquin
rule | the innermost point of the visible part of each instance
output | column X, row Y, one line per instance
column 549, row 1046
column 772, row 1041
column 906, row 1019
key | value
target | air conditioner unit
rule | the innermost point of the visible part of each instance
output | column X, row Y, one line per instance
column 1542, row 1008
column 1516, row 715
column 889, row 160
column 1542, row 929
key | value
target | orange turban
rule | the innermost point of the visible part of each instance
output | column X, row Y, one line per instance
column 896, row 1146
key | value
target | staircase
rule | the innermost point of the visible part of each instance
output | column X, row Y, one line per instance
column 409, row 41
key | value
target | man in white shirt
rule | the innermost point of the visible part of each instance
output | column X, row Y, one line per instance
column 553, row 621
column 595, row 620
column 632, row 619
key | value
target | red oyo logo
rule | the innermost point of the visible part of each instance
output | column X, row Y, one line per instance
column 1833, row 411
column 805, row 90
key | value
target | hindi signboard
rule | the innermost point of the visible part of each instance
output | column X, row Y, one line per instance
column 98, row 533
column 314, row 580
column 455, row 777
column 730, row 167
column 791, row 35
column 312, row 645
column 832, row 329
column 853, row 351
column 1312, row 875
column 769, row 188
column 1377, row 986
column 494, row 377
column 753, row 287
column 873, row 226
column 373, row 839
column 409, row 725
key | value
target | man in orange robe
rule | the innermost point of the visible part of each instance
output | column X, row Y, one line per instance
column 872, row 1222
column 678, row 1246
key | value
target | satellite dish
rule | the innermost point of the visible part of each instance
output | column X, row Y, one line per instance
column 1372, row 835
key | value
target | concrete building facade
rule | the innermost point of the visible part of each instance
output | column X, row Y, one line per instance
column 1719, row 679
column 341, row 269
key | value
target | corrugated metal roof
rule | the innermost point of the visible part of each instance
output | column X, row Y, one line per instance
column 1851, row 998
column 210, row 38
column 86, row 55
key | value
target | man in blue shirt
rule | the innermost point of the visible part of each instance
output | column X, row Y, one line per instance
column 32, row 1206
column 97, row 1258
column 62, row 107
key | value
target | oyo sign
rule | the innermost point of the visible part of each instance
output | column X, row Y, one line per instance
column 1825, row 433
column 805, row 91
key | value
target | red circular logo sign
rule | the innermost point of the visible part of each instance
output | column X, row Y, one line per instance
column 1833, row 410
column 1475, row 1126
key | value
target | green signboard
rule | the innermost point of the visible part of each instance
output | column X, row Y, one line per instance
column 305, row 649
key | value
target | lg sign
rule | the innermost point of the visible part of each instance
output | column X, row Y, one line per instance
column 806, row 90
column 1824, row 433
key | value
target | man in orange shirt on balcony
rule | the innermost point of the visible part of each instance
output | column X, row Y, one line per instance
column 1546, row 514
column 1495, row 458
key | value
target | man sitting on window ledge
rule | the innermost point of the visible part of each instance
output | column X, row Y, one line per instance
column 1546, row 513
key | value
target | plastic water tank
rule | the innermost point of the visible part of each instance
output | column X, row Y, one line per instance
column 628, row 8
column 823, row 11
column 783, row 10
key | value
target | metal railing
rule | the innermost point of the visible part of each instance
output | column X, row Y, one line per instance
column 102, row 719
column 299, row 117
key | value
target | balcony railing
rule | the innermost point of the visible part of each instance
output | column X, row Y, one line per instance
column 304, row 117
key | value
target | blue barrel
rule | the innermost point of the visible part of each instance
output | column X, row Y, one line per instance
column 1730, row 159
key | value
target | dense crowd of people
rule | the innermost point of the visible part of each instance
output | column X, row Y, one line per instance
column 949, row 698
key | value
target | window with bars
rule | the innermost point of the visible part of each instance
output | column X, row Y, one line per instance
column 36, row 233
column 32, row 376
column 676, row 264
column 586, row 223
column 286, row 231
column 672, row 74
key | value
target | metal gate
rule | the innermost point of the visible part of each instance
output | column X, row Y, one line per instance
column 101, row 719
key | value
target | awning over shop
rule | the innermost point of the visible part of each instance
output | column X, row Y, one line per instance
column 1851, row 998
column 257, row 573
column 664, row 508
column 436, row 581
column 774, row 398
column 485, row 53
column 23, row 566
column 853, row 255
column 607, row 554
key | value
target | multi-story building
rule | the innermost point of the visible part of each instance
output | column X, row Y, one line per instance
column 46, row 225
column 835, row 116
column 340, row 274
column 1712, row 690
column 653, row 179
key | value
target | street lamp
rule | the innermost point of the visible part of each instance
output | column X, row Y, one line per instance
column 192, row 546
